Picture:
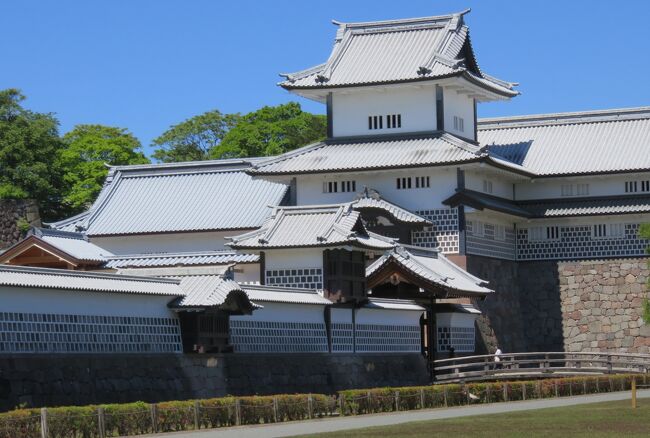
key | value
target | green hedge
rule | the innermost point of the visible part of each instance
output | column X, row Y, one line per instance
column 142, row 418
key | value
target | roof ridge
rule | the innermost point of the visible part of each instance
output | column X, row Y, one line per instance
column 199, row 163
column 402, row 21
column 89, row 274
column 570, row 117
column 287, row 155
column 173, row 254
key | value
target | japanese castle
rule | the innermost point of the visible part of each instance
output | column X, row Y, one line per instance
column 378, row 239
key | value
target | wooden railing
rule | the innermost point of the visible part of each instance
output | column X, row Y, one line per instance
column 539, row 364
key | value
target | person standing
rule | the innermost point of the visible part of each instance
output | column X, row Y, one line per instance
column 497, row 358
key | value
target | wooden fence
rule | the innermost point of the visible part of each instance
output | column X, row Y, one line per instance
column 538, row 364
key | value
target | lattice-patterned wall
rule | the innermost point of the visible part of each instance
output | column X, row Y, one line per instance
column 342, row 337
column 444, row 232
column 462, row 339
column 307, row 278
column 487, row 244
column 576, row 242
column 373, row 338
column 278, row 337
column 53, row 333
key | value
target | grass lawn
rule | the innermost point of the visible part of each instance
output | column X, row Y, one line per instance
column 610, row 419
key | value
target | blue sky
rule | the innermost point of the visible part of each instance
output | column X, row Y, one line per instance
column 145, row 65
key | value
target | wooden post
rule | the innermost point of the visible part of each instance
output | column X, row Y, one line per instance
column 633, row 393
column 557, row 394
column 154, row 417
column 368, row 398
column 505, row 391
column 444, row 393
column 523, row 391
column 584, row 386
column 310, row 406
column 421, row 398
column 197, row 410
column 101, row 422
column 341, row 405
column 396, row 400
column 488, row 392
column 44, row 432
column 275, row 409
column 237, row 412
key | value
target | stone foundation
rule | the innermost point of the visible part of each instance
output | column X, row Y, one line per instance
column 11, row 213
column 57, row 380
column 584, row 305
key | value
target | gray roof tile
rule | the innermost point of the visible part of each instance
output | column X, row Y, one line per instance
column 23, row 276
column 180, row 259
column 383, row 152
column 398, row 51
column 200, row 196
column 311, row 226
column 571, row 143
column 434, row 267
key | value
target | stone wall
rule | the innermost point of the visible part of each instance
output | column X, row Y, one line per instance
column 56, row 380
column 501, row 322
column 588, row 305
column 601, row 305
column 11, row 212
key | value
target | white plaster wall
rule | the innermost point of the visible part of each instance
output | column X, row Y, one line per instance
column 442, row 185
column 462, row 106
column 247, row 273
column 294, row 258
column 62, row 302
column 455, row 320
column 351, row 108
column 601, row 185
column 178, row 242
column 385, row 316
column 285, row 312
column 500, row 186
column 341, row 315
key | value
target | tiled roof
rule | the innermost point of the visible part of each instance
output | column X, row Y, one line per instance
column 537, row 209
column 262, row 293
column 312, row 226
column 69, row 224
column 370, row 199
column 393, row 304
column 481, row 201
column 22, row 276
column 205, row 290
column 215, row 290
column 395, row 51
column 180, row 259
column 588, row 206
column 196, row 196
column 572, row 143
column 433, row 267
column 368, row 153
column 74, row 244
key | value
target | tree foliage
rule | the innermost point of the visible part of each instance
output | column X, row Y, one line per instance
column 271, row 130
column 192, row 139
column 88, row 148
column 28, row 142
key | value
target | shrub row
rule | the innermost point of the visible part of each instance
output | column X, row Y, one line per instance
column 142, row 418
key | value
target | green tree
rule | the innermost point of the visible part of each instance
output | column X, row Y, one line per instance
column 271, row 130
column 88, row 149
column 28, row 141
column 192, row 139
